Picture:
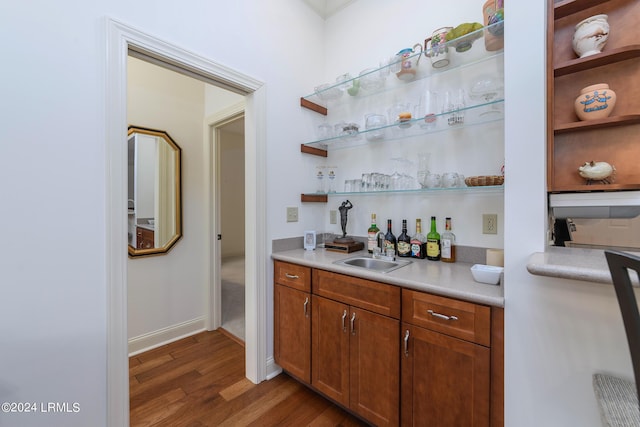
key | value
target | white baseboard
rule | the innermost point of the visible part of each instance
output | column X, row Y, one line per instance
column 273, row 370
column 163, row 336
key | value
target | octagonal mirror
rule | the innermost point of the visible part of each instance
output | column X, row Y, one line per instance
column 154, row 206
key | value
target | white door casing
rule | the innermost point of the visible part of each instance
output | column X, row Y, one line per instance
column 122, row 40
column 212, row 123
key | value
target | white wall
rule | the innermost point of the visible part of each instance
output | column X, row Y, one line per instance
column 383, row 29
column 53, row 306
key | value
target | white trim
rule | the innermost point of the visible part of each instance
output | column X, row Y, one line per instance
column 213, row 292
column 120, row 38
column 273, row 369
column 256, row 251
column 155, row 339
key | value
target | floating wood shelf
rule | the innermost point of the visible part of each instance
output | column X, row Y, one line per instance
column 313, row 150
column 313, row 198
column 313, row 106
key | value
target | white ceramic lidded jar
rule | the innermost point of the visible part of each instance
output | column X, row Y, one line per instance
column 591, row 35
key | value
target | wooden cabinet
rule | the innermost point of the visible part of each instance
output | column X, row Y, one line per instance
column 144, row 238
column 447, row 363
column 342, row 335
column 616, row 139
column 292, row 320
column 355, row 351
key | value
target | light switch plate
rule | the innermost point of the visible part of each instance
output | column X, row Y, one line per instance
column 292, row 214
column 333, row 217
column 489, row 223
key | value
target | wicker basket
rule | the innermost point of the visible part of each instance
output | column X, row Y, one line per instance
column 483, row 180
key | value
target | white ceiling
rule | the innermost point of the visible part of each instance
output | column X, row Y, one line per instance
column 326, row 8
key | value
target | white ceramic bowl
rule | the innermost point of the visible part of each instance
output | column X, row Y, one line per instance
column 486, row 273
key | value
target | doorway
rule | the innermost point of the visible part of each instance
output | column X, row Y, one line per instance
column 123, row 39
column 230, row 197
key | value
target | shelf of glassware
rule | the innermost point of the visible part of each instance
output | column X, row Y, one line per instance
column 485, row 189
column 335, row 93
column 486, row 112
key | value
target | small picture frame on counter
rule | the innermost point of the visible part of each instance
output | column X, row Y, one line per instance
column 309, row 240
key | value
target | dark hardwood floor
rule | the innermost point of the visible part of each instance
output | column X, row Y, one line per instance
column 199, row 381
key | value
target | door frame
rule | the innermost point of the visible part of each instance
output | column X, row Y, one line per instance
column 212, row 188
column 120, row 39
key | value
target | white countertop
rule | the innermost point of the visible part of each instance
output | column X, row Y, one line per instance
column 452, row 280
column 589, row 265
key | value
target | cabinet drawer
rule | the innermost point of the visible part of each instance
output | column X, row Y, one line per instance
column 460, row 319
column 373, row 296
column 292, row 275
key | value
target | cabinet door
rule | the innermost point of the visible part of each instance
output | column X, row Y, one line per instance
column 330, row 349
column 292, row 331
column 445, row 380
column 374, row 367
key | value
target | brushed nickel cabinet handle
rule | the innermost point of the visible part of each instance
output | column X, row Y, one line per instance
column 353, row 324
column 441, row 316
column 344, row 321
column 306, row 304
column 291, row 276
column 406, row 343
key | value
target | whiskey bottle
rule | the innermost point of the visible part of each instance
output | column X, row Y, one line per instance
column 448, row 243
column 404, row 241
column 389, row 239
column 433, row 242
column 419, row 242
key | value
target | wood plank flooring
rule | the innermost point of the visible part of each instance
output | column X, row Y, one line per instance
column 199, row 381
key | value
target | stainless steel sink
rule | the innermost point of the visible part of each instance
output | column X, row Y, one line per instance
column 373, row 264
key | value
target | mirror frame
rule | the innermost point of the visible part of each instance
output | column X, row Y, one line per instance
column 137, row 252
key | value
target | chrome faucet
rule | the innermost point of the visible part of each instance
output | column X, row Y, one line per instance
column 379, row 251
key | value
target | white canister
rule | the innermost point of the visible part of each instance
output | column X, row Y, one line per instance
column 591, row 35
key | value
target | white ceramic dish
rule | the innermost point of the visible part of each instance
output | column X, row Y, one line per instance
column 486, row 273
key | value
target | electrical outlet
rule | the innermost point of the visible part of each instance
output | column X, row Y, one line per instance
column 292, row 214
column 333, row 217
column 489, row 224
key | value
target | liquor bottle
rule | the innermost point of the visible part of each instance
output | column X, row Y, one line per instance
column 448, row 243
column 433, row 242
column 372, row 232
column 404, row 241
column 389, row 238
column 418, row 242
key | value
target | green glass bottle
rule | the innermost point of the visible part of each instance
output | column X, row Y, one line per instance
column 433, row 242
column 372, row 234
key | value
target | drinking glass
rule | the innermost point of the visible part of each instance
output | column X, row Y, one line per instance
column 331, row 179
column 325, row 131
column 320, row 184
column 433, row 180
column 427, row 110
column 453, row 106
column 423, row 168
column 377, row 123
column 449, row 180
